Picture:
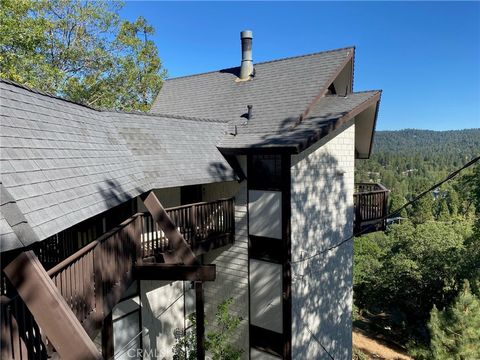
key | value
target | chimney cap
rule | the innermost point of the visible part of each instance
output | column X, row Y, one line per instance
column 246, row 34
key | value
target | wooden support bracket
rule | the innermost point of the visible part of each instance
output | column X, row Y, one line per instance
column 182, row 250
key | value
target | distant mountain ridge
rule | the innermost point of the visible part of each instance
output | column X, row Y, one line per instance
column 457, row 145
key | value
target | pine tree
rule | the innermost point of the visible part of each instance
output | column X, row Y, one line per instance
column 455, row 331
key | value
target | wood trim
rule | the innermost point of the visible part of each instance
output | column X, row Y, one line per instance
column 287, row 255
column 173, row 272
column 374, row 126
column 50, row 309
column 248, row 257
column 266, row 340
column 233, row 162
column 200, row 323
column 289, row 149
column 265, row 249
column 283, row 340
column 324, row 90
column 108, row 351
column 324, row 131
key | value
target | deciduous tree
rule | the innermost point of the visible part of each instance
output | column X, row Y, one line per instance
column 81, row 50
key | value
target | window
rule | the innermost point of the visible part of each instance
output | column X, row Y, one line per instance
column 265, row 172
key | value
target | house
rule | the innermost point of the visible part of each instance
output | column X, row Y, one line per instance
column 239, row 183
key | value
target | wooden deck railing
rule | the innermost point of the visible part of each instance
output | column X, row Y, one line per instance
column 371, row 204
column 21, row 336
column 197, row 223
column 93, row 279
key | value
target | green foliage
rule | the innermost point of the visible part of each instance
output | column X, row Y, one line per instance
column 218, row 342
column 185, row 347
column 369, row 251
column 422, row 210
column 80, row 50
column 455, row 332
column 412, row 268
column 359, row 355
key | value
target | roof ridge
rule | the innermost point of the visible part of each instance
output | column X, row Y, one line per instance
column 44, row 93
column 366, row 91
column 352, row 93
column 264, row 62
column 105, row 110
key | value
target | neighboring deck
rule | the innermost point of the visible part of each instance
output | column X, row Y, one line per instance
column 371, row 207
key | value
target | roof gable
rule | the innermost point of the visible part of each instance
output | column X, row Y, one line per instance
column 281, row 88
column 295, row 135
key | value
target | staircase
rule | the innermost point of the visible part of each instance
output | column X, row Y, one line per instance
column 58, row 312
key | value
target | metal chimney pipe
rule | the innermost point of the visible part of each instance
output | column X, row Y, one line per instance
column 247, row 64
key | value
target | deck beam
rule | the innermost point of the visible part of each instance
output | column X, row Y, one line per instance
column 50, row 309
column 174, row 272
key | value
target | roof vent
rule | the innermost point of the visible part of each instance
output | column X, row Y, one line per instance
column 249, row 112
column 246, row 69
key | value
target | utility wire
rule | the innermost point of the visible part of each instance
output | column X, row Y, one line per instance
column 396, row 212
column 312, row 335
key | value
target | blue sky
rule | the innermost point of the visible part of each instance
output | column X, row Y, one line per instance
column 424, row 56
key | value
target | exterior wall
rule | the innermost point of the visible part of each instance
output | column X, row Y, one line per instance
column 127, row 335
column 215, row 191
column 322, row 215
column 163, row 309
column 232, row 262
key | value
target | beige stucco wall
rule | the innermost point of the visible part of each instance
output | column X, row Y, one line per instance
column 232, row 264
column 322, row 215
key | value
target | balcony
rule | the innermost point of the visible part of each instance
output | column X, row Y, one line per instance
column 204, row 226
column 371, row 207
column 89, row 283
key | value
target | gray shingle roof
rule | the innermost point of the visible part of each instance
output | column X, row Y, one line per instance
column 175, row 151
column 63, row 163
column 280, row 89
column 290, row 133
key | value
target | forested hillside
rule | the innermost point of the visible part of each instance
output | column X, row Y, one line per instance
column 423, row 153
column 420, row 278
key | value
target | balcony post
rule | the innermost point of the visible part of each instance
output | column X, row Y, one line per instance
column 193, row 220
column 200, row 324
